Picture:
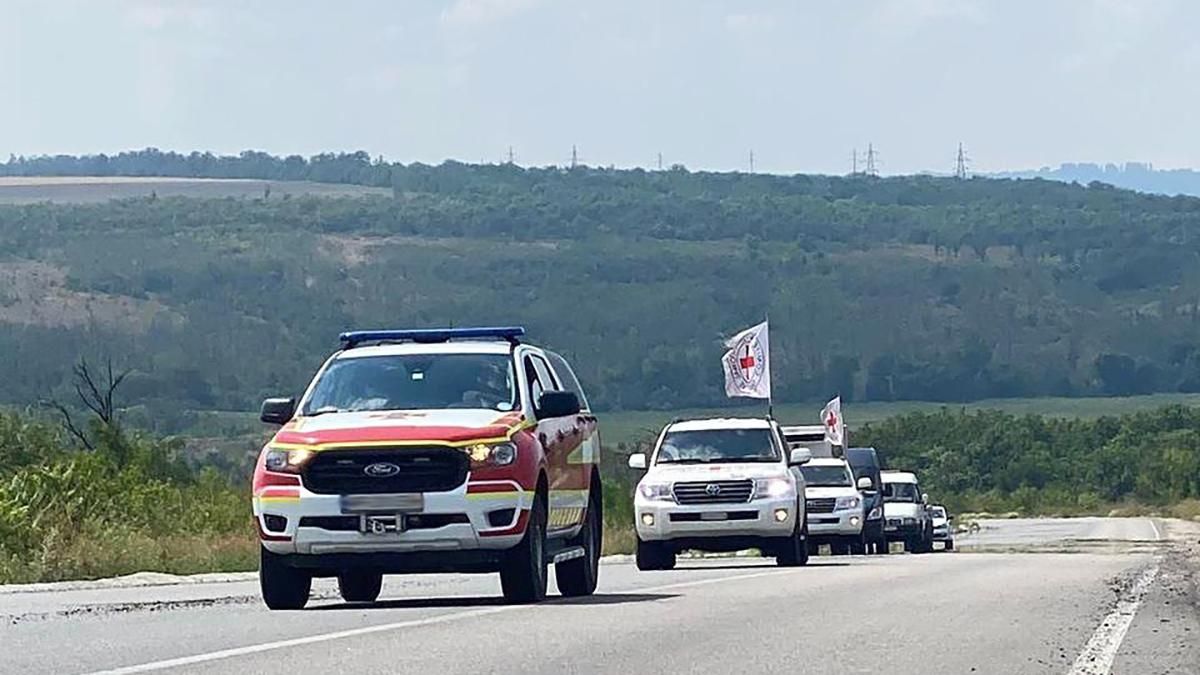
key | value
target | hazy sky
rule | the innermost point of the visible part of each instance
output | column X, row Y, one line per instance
column 1023, row 83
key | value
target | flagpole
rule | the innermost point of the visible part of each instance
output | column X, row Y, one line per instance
column 770, row 392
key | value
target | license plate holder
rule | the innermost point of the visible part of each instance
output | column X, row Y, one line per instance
column 714, row 515
column 381, row 525
column 389, row 504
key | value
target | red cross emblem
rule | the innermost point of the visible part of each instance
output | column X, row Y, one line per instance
column 831, row 421
column 746, row 363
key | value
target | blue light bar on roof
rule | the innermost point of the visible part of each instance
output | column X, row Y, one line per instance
column 354, row 338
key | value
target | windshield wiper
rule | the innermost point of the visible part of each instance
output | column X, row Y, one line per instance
column 325, row 411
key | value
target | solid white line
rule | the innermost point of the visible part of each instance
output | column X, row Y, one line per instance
column 338, row 635
column 1098, row 654
column 1157, row 532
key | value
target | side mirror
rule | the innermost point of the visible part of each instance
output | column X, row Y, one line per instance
column 557, row 404
column 799, row 456
column 925, row 498
column 637, row 460
column 865, row 483
column 277, row 410
column 949, row 518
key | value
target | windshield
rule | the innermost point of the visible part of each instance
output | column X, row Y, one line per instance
column 415, row 382
column 825, row 476
column 900, row 492
column 938, row 512
column 718, row 445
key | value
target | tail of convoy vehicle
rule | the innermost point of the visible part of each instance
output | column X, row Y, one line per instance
column 834, row 506
column 904, row 509
column 865, row 463
column 458, row 450
column 720, row 485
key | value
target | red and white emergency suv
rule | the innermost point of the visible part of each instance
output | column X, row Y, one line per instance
column 456, row 450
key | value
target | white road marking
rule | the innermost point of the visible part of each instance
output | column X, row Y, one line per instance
column 338, row 635
column 1157, row 532
column 1098, row 654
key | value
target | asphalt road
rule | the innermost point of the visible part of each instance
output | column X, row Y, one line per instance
column 1051, row 602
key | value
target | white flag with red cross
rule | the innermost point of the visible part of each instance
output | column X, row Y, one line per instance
column 835, row 426
column 747, row 364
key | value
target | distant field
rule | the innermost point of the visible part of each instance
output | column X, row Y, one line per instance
column 629, row 426
column 88, row 189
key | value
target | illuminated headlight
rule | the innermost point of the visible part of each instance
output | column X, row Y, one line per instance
column 773, row 488
column 648, row 519
column 876, row 513
column 845, row 503
column 287, row 461
column 656, row 492
column 500, row 454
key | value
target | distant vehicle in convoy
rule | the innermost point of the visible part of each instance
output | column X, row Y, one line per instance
column 864, row 462
column 942, row 530
column 720, row 485
column 905, row 517
column 811, row 436
column 834, row 505
column 457, row 450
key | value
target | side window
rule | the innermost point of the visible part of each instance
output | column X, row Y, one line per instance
column 567, row 377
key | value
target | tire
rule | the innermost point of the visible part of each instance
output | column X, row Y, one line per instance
column 838, row 548
column 578, row 577
column 949, row 545
column 652, row 556
column 360, row 586
column 524, row 572
column 883, row 547
column 859, row 547
column 792, row 551
column 282, row 587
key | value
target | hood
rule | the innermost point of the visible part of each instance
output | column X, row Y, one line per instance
column 444, row 426
column 901, row 510
column 817, row 492
column 701, row 472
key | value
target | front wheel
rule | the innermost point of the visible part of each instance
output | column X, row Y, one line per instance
column 524, row 570
column 360, row 586
column 579, row 576
column 949, row 544
column 283, row 587
column 653, row 555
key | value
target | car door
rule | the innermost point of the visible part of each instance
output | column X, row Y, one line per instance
column 559, row 437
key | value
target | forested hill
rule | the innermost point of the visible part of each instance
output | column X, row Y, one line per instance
column 898, row 288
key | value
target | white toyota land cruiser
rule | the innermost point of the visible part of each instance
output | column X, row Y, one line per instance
column 720, row 485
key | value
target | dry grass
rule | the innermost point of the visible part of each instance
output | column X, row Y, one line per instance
column 36, row 294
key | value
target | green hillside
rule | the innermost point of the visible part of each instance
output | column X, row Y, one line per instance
column 913, row 288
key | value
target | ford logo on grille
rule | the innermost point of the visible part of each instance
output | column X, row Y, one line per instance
column 381, row 470
column 713, row 489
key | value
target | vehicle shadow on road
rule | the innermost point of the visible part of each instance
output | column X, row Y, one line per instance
column 812, row 563
column 491, row 601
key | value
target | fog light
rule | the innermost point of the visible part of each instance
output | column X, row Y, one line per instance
column 275, row 523
column 648, row 519
column 854, row 521
column 781, row 515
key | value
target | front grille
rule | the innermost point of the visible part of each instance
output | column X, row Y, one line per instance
column 714, row 492
column 821, row 504
column 343, row 472
column 894, row 522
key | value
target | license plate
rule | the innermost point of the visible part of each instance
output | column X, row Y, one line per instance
column 713, row 515
column 381, row 524
column 406, row 503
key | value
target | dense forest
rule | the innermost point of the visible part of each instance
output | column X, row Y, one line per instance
column 916, row 288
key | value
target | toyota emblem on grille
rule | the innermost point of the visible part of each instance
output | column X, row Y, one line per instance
column 713, row 489
column 381, row 470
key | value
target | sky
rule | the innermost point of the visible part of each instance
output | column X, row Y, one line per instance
column 1021, row 83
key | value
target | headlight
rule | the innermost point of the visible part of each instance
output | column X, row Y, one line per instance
column 287, row 461
column 656, row 492
column 500, row 454
column 876, row 513
column 844, row 503
column 773, row 488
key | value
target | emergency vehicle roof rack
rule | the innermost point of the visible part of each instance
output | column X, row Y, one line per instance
column 352, row 339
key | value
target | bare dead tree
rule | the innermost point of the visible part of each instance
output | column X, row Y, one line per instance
column 97, row 393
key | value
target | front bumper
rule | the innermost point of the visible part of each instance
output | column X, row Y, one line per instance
column 457, row 520
column 942, row 534
column 896, row 529
column 847, row 523
column 751, row 519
